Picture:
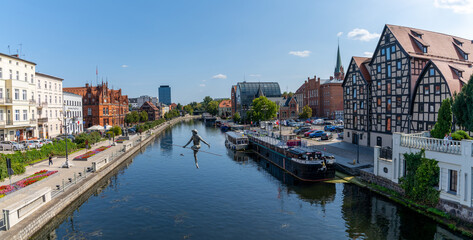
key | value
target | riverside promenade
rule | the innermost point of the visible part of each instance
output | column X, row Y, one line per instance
column 69, row 183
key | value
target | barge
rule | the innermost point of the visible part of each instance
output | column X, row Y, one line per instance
column 303, row 163
column 236, row 141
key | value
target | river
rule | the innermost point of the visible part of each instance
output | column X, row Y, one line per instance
column 159, row 194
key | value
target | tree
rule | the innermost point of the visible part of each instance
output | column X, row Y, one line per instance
column 236, row 117
column 117, row 130
column 444, row 120
column 306, row 112
column 263, row 109
column 212, row 108
column 188, row 109
column 132, row 117
column 206, row 101
column 179, row 106
column 143, row 116
column 463, row 106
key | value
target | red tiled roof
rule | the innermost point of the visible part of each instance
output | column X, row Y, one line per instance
column 225, row 104
column 453, row 81
column 440, row 46
column 362, row 63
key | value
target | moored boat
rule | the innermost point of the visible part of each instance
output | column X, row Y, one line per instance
column 236, row 141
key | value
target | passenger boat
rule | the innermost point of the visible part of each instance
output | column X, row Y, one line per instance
column 236, row 141
column 304, row 163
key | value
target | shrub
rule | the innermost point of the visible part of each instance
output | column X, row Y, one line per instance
column 444, row 120
column 460, row 135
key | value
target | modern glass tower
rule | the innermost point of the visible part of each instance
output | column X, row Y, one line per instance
column 165, row 94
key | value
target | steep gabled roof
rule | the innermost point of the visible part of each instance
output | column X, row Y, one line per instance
column 362, row 63
column 439, row 45
column 454, row 82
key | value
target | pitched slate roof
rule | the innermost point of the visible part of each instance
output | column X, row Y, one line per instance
column 362, row 64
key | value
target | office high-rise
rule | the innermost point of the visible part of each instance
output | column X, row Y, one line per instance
column 165, row 94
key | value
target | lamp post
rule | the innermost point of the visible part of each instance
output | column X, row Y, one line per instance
column 66, row 164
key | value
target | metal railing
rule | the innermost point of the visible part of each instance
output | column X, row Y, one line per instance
column 386, row 153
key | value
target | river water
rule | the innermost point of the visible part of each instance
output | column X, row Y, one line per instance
column 159, row 194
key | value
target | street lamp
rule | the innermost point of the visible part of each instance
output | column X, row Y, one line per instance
column 66, row 164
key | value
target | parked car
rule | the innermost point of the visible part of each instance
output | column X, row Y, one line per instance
column 8, row 145
column 29, row 144
column 326, row 136
column 46, row 141
column 317, row 133
column 301, row 130
column 306, row 134
column 328, row 128
column 63, row 136
column 340, row 135
column 38, row 143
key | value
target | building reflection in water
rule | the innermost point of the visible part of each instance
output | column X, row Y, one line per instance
column 166, row 141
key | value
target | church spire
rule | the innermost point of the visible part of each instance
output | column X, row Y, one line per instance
column 338, row 73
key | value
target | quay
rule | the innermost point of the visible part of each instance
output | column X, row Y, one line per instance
column 70, row 184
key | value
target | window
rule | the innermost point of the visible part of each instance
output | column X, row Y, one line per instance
column 432, row 107
column 398, row 83
column 49, row 85
column 39, row 84
column 379, row 85
column 45, row 98
column 32, row 114
column 24, row 95
column 424, row 49
column 26, row 77
column 55, row 99
column 426, row 90
column 51, row 113
column 388, row 87
column 388, row 53
column 354, row 107
column 452, row 186
column 393, row 48
column 421, row 107
column 362, row 105
column 348, row 91
column 354, row 79
column 50, row 99
column 388, row 124
column 361, row 89
column 25, row 115
column 11, row 74
column 378, row 68
column 1, row 92
column 89, row 111
column 458, row 42
column 17, row 75
column 1, row 74
column 389, row 70
column 17, row 94
column 379, row 102
column 431, row 72
column 1, row 114
column 398, row 101
column 56, row 113
column 17, row 115
column 103, row 111
column 383, row 51
column 437, row 89
column 398, row 120
column 388, row 107
column 398, row 65
column 354, row 92
column 32, row 79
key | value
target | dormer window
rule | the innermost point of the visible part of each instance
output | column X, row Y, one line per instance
column 419, row 35
column 458, row 42
column 457, row 72
column 462, row 53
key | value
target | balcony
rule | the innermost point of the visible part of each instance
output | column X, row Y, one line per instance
column 42, row 104
column 42, row 120
column 32, row 121
column 32, row 102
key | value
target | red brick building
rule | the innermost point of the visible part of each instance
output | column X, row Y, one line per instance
column 290, row 109
column 101, row 105
column 153, row 112
column 233, row 99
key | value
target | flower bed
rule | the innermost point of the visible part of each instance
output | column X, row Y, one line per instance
column 89, row 154
column 37, row 176
column 119, row 140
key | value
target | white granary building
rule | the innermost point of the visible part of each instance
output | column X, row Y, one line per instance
column 73, row 109
column 49, row 103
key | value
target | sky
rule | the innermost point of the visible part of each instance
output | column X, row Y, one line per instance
column 202, row 48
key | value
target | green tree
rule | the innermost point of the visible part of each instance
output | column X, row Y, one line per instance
column 236, row 117
column 179, row 106
column 117, row 130
column 143, row 116
column 444, row 120
column 212, row 108
column 206, row 101
column 263, row 109
column 462, row 106
column 306, row 112
column 132, row 117
column 188, row 109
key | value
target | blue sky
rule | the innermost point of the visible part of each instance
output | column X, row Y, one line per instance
column 201, row 48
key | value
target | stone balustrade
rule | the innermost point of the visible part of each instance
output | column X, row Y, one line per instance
column 418, row 141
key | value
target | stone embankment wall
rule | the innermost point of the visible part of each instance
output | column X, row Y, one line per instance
column 34, row 222
column 380, row 181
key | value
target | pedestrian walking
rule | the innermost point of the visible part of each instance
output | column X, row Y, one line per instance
column 50, row 160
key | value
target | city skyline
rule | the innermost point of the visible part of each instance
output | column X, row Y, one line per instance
column 209, row 45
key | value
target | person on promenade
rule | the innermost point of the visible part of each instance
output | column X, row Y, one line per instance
column 196, row 139
column 50, row 160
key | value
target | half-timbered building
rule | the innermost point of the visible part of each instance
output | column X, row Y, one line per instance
column 401, row 63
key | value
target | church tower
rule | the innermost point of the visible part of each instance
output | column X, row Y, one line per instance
column 339, row 73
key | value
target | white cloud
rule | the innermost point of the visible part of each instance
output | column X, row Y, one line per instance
column 124, row 66
column 362, row 34
column 201, row 85
column 458, row 6
column 304, row 53
column 220, row 76
column 254, row 75
column 339, row 34
column 368, row 54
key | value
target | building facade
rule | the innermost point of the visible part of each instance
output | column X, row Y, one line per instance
column 225, row 108
column 73, row 110
column 133, row 103
column 50, row 105
column 411, row 72
column 233, row 98
column 246, row 92
column 153, row 112
column 165, row 94
column 17, row 98
column 101, row 105
column 289, row 109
